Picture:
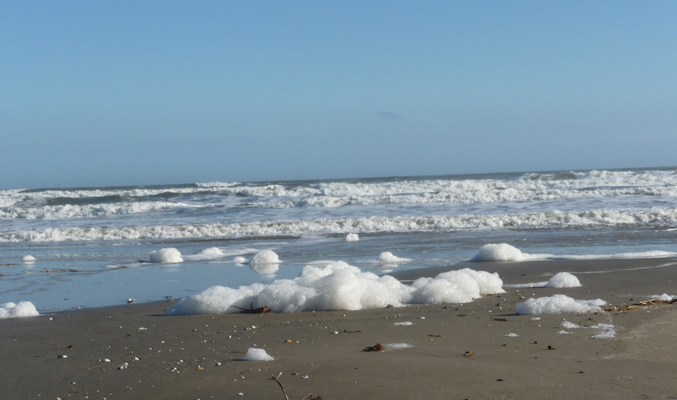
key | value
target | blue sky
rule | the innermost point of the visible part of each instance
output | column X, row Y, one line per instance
column 154, row 92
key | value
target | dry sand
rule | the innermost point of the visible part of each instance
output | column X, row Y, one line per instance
column 196, row 357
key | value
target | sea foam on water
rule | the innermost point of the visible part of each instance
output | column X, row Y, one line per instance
column 265, row 257
column 498, row 252
column 352, row 237
column 211, row 253
column 28, row 259
column 340, row 286
column 167, row 256
column 265, row 262
column 390, row 258
column 18, row 310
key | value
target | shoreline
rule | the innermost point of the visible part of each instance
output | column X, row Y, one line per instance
column 178, row 355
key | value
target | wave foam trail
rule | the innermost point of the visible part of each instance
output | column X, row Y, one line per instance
column 86, row 211
column 653, row 218
column 340, row 286
column 529, row 187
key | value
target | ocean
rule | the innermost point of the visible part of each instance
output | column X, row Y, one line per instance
column 92, row 246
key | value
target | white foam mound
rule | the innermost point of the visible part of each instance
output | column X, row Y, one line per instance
column 211, row 253
column 264, row 268
column 265, row 257
column 167, row 255
column 563, row 280
column 28, row 259
column 390, row 258
column 498, row 252
column 254, row 354
column 569, row 325
column 352, row 237
column 340, row 286
column 558, row 304
column 239, row 260
column 20, row 310
column 265, row 262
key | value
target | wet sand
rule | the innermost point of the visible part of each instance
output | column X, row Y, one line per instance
column 197, row 357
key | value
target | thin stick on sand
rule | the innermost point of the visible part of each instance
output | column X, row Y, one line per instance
column 278, row 382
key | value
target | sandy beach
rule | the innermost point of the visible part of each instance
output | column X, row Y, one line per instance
column 134, row 352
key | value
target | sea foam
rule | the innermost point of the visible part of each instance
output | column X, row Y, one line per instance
column 340, row 286
column 498, row 252
column 563, row 280
column 592, row 218
column 166, row 256
column 559, row 304
column 18, row 310
column 389, row 258
column 254, row 354
column 211, row 253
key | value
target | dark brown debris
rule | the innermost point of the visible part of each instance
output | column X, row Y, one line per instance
column 252, row 310
column 643, row 303
column 376, row 347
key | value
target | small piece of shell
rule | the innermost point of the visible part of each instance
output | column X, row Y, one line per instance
column 469, row 354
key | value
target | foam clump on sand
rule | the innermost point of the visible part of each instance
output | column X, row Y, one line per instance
column 20, row 310
column 558, row 304
column 397, row 346
column 254, row 354
column 166, row 256
column 340, row 286
column 608, row 331
column 28, row 259
column 563, row 280
column 498, row 252
column 211, row 253
column 569, row 325
column 352, row 237
column 390, row 258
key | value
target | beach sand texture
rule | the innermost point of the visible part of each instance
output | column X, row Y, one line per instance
column 134, row 352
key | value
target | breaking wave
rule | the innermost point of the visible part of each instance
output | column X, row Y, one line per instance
column 657, row 218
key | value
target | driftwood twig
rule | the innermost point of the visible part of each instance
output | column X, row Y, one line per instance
column 252, row 310
column 279, row 383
